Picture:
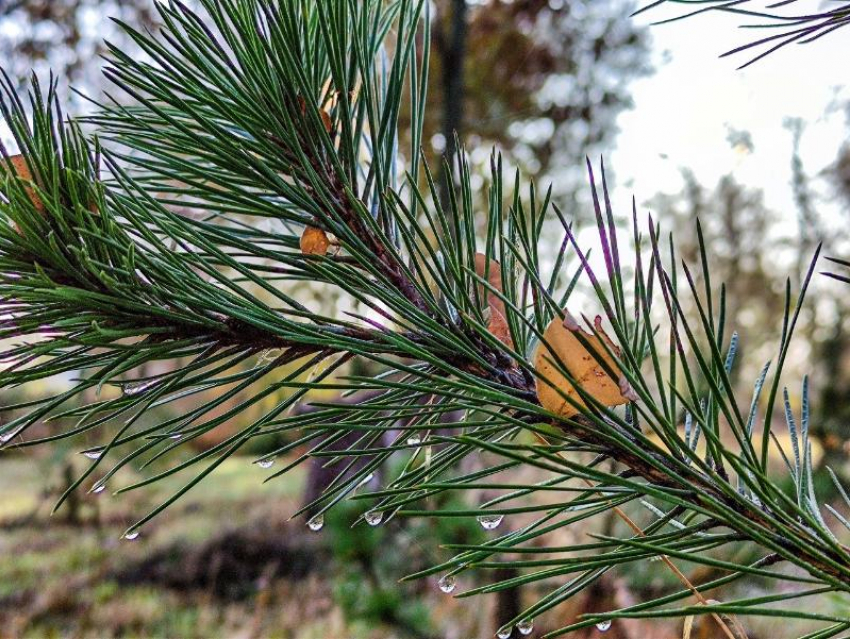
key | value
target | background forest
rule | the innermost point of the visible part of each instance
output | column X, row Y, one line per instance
column 548, row 82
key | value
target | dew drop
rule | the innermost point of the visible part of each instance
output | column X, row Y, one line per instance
column 265, row 463
column 7, row 437
column 99, row 488
column 133, row 534
column 603, row 626
column 137, row 387
column 504, row 633
column 176, row 435
column 447, row 583
column 490, row 522
column 93, row 454
column 525, row 627
column 414, row 440
column 269, row 355
column 316, row 523
column 366, row 479
column 374, row 517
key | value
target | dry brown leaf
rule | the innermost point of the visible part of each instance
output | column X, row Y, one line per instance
column 583, row 364
column 314, row 241
column 493, row 275
column 323, row 114
column 326, row 120
column 20, row 166
column 498, row 326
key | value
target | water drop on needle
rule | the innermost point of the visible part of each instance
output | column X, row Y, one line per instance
column 138, row 387
column 133, row 534
column 447, row 583
column 265, row 463
column 503, row 633
column 525, row 627
column 603, row 626
column 99, row 488
column 490, row 522
column 414, row 440
column 93, row 454
column 316, row 523
column 374, row 517
column 366, row 479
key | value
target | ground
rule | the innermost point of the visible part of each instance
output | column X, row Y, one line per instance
column 225, row 561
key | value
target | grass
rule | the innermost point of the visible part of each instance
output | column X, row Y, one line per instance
column 64, row 580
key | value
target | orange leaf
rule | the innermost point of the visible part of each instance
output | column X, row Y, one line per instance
column 498, row 326
column 584, row 364
column 326, row 117
column 326, row 120
column 19, row 164
column 314, row 241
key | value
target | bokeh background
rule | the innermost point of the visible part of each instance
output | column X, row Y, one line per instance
column 759, row 155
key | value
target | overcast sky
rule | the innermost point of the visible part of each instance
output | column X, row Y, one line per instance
column 684, row 111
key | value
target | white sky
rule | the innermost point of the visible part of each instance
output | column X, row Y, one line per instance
column 683, row 113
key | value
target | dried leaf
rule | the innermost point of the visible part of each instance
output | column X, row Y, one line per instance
column 326, row 120
column 493, row 275
column 19, row 164
column 498, row 326
column 314, row 241
column 583, row 364
column 323, row 114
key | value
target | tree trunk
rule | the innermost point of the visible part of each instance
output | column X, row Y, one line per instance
column 452, row 49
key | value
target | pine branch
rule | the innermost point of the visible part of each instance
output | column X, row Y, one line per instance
column 261, row 157
column 792, row 28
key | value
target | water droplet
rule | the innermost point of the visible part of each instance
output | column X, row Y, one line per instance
column 525, row 627
column 269, row 355
column 98, row 488
column 366, row 479
column 504, row 633
column 447, row 583
column 138, row 387
column 414, row 440
column 7, row 437
column 265, row 463
column 133, row 534
column 316, row 523
column 176, row 435
column 93, row 454
column 374, row 517
column 490, row 522
column 603, row 626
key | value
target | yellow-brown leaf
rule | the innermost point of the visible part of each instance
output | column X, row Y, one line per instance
column 326, row 120
column 314, row 241
column 498, row 327
column 583, row 364
column 19, row 164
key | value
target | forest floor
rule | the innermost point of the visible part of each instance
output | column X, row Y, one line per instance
column 226, row 561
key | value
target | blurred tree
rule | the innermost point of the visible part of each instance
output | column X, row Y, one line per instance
column 66, row 37
column 735, row 225
column 543, row 79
